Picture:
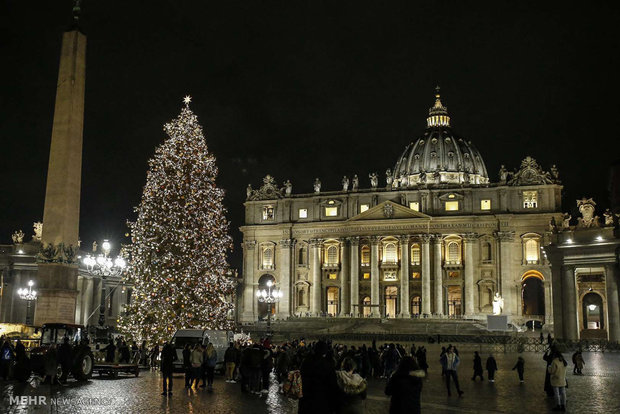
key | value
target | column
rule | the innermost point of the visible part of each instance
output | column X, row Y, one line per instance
column 438, row 274
column 556, row 291
column 506, row 284
column 613, row 306
column 249, row 297
column 315, row 262
column 355, row 275
column 405, row 301
column 569, row 303
column 548, row 303
column 284, row 307
column 374, row 277
column 469, row 240
column 426, row 274
column 87, row 300
column 345, row 290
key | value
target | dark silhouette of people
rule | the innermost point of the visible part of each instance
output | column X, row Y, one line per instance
column 477, row 367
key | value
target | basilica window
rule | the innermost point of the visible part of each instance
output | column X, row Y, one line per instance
column 331, row 256
column 331, row 211
column 268, row 212
column 485, row 205
column 300, row 298
column 530, row 199
column 486, row 250
column 452, row 205
column 365, row 256
column 389, row 276
column 416, row 305
column 364, row 207
column 454, row 275
column 415, row 254
column 415, row 275
column 531, row 248
column 366, row 306
column 332, row 276
column 303, row 213
column 366, row 276
column 414, row 205
column 390, row 253
column 303, row 255
column 267, row 257
column 453, row 252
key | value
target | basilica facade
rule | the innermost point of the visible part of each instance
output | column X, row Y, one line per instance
column 438, row 237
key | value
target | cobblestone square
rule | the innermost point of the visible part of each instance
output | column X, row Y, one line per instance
column 595, row 391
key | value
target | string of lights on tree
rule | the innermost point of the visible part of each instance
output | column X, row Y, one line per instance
column 180, row 239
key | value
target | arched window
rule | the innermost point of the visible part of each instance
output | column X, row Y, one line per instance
column 486, row 252
column 267, row 258
column 415, row 254
column 365, row 256
column 532, row 251
column 416, row 305
column 332, row 255
column 390, row 253
column 366, row 306
column 454, row 256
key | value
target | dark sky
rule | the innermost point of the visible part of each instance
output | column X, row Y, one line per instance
column 306, row 89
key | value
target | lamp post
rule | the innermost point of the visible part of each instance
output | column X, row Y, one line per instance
column 103, row 266
column 29, row 296
column 269, row 296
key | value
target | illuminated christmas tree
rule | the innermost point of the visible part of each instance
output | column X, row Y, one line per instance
column 180, row 239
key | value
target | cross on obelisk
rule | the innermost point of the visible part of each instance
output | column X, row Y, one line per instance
column 58, row 270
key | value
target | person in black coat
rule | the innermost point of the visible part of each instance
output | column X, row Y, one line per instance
column 477, row 367
column 187, row 366
column 548, row 357
column 168, row 356
column 318, row 379
column 405, row 386
column 491, row 368
column 110, row 351
column 65, row 357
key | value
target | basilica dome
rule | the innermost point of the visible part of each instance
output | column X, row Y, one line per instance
column 439, row 156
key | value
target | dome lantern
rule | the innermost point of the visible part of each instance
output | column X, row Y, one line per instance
column 437, row 114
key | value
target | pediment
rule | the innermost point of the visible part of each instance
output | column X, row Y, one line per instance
column 389, row 210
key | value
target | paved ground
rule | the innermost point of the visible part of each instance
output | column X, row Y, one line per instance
column 595, row 391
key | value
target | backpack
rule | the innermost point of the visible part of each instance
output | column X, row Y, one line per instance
column 292, row 385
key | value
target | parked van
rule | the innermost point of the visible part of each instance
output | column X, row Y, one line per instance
column 219, row 339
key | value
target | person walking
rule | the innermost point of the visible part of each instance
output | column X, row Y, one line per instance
column 491, row 367
column 578, row 362
column 542, row 338
column 557, row 371
column 443, row 352
column 477, row 367
column 404, row 387
column 520, row 367
column 168, row 356
column 154, row 355
column 421, row 359
column 187, row 365
column 230, row 358
column 210, row 362
column 450, row 362
column 351, row 387
column 196, row 359
column 548, row 357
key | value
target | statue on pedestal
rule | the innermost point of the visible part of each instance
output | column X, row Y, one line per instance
column 288, row 188
column 18, row 237
column 498, row 304
column 374, row 180
column 317, row 185
column 356, row 183
column 609, row 218
column 388, row 177
column 345, row 183
column 566, row 221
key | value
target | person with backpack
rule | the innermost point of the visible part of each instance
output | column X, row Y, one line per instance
column 557, row 372
column 450, row 362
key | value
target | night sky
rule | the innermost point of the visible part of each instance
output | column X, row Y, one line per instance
column 306, row 89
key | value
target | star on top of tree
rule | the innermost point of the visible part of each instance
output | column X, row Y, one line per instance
column 187, row 99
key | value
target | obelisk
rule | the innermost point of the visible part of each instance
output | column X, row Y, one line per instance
column 57, row 274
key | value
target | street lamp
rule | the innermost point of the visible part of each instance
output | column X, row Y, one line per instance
column 269, row 296
column 29, row 296
column 104, row 266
